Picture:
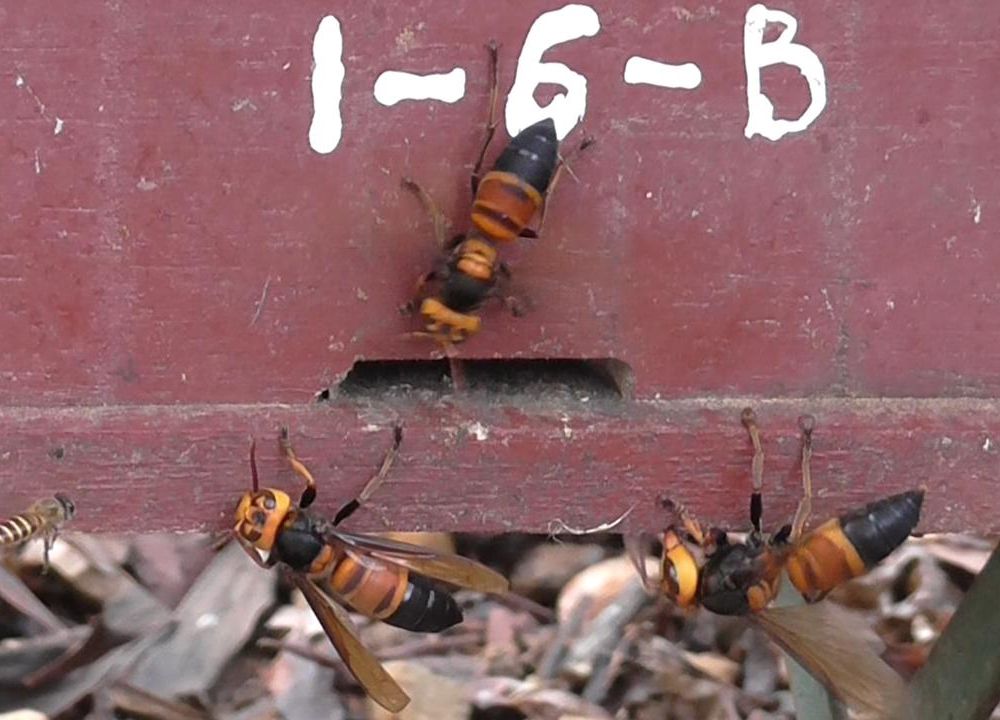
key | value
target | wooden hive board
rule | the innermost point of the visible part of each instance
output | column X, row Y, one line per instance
column 192, row 252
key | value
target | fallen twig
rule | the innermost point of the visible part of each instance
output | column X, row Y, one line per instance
column 557, row 526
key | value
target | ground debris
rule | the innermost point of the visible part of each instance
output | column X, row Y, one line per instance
column 159, row 627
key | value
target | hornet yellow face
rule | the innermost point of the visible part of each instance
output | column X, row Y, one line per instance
column 679, row 572
column 259, row 517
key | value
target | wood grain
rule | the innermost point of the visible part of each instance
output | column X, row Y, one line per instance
column 490, row 467
column 179, row 269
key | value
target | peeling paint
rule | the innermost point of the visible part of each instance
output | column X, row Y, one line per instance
column 243, row 104
column 478, row 431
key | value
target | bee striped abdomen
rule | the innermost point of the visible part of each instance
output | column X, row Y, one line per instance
column 848, row 546
column 20, row 528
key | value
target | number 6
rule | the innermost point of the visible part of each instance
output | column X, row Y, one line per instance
column 566, row 109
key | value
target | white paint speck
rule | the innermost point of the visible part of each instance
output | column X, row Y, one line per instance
column 567, row 431
column 184, row 377
column 987, row 445
column 19, row 81
column 826, row 301
column 977, row 211
column 242, row 105
column 649, row 195
column 478, row 431
column 327, row 86
column 286, row 66
column 643, row 71
column 100, row 108
column 758, row 55
column 370, row 428
column 695, row 213
column 38, row 163
column 946, row 441
column 59, row 126
column 891, row 304
column 569, row 22
column 206, row 620
column 394, row 86
column 146, row 185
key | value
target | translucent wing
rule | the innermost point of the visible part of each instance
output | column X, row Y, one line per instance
column 830, row 643
column 365, row 668
column 453, row 569
column 637, row 550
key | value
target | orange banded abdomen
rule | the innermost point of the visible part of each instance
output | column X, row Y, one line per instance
column 824, row 559
column 385, row 591
column 850, row 545
column 504, row 205
column 371, row 587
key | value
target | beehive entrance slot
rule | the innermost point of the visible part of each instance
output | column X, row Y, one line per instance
column 582, row 380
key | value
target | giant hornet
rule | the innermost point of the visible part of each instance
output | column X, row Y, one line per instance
column 742, row 578
column 44, row 518
column 469, row 271
column 376, row 577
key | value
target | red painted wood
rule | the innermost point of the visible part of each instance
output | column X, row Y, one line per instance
column 180, row 193
column 183, row 468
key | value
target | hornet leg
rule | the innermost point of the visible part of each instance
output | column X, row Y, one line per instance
column 438, row 219
column 491, row 124
column 690, row 523
column 563, row 164
column 375, row 480
column 806, row 423
column 749, row 420
column 513, row 304
column 309, row 493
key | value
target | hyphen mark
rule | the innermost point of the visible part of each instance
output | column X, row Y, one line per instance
column 394, row 86
column 643, row 71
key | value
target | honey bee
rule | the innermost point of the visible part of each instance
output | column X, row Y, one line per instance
column 382, row 579
column 729, row 577
column 505, row 200
column 43, row 518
